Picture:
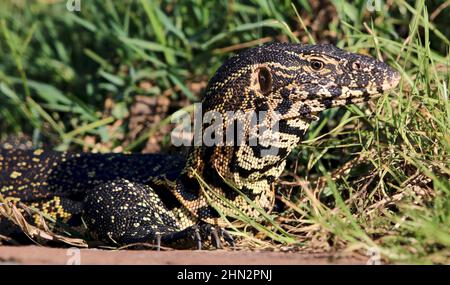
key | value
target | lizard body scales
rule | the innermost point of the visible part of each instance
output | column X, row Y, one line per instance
column 144, row 198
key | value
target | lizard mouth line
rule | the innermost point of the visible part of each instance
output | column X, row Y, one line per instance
column 359, row 94
column 389, row 82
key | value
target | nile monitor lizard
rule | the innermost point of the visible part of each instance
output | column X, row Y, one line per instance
column 158, row 198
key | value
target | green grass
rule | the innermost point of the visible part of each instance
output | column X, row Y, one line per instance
column 66, row 77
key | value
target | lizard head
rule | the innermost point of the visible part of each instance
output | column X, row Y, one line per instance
column 298, row 80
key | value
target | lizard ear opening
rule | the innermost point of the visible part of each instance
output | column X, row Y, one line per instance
column 264, row 80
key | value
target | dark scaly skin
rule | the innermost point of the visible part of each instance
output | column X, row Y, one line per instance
column 156, row 198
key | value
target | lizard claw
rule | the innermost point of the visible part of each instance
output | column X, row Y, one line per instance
column 215, row 237
column 216, row 233
column 228, row 238
column 198, row 238
column 158, row 242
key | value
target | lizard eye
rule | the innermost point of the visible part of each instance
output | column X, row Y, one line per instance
column 317, row 64
column 264, row 79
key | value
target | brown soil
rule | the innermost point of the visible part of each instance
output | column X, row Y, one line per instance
column 45, row 255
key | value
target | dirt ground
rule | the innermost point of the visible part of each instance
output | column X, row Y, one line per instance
column 45, row 255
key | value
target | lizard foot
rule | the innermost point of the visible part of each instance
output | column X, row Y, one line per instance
column 197, row 236
column 125, row 212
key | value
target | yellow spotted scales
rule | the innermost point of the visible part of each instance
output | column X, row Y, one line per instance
column 127, row 198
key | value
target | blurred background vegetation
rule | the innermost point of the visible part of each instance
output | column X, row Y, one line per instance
column 108, row 77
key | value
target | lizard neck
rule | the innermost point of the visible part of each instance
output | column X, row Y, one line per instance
column 250, row 166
